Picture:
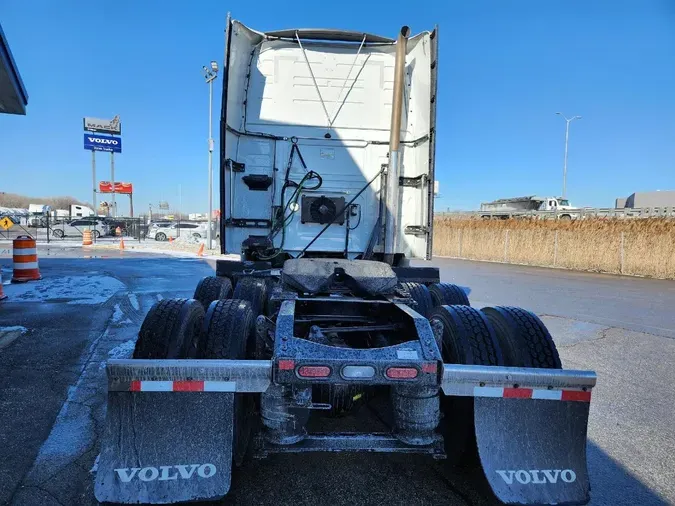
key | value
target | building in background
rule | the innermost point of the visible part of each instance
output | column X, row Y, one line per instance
column 639, row 200
column 13, row 96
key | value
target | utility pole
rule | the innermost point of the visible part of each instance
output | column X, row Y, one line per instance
column 567, row 137
column 210, row 75
column 112, row 177
column 93, row 180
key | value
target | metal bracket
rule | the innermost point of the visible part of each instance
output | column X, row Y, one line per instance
column 414, row 182
column 248, row 223
column 416, row 230
column 235, row 166
column 378, row 442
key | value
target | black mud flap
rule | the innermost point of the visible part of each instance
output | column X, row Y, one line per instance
column 533, row 451
column 166, row 447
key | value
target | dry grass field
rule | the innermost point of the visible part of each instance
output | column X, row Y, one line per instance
column 642, row 247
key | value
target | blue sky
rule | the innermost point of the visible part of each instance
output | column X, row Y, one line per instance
column 505, row 68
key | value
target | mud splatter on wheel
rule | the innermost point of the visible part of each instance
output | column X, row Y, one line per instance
column 253, row 290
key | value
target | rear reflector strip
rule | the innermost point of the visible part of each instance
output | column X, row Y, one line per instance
column 314, row 371
column 430, row 368
column 286, row 365
column 530, row 393
column 401, row 373
column 182, row 386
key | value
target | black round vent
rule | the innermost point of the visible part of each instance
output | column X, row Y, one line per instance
column 323, row 210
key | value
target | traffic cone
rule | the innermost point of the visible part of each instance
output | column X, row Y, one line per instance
column 2, row 290
column 121, row 244
column 170, row 240
column 200, row 252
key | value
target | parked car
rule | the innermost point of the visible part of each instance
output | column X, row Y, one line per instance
column 173, row 230
column 76, row 228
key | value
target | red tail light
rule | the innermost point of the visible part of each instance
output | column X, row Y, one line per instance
column 314, row 371
column 401, row 373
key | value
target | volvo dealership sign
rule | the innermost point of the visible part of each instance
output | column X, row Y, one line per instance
column 104, row 126
column 95, row 142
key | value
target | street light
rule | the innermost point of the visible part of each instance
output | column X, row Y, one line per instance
column 567, row 136
column 210, row 75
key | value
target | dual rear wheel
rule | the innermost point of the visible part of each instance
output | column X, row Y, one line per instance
column 501, row 336
column 210, row 326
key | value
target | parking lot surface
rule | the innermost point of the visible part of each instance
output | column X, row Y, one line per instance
column 57, row 333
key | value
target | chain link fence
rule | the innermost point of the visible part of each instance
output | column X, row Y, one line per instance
column 47, row 229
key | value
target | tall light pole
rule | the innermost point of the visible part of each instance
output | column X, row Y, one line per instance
column 567, row 138
column 210, row 75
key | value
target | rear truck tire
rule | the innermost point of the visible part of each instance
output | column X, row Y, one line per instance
column 227, row 334
column 466, row 338
column 523, row 338
column 171, row 329
column 421, row 295
column 253, row 290
column 213, row 288
column 447, row 294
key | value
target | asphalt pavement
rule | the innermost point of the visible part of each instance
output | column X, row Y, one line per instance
column 57, row 333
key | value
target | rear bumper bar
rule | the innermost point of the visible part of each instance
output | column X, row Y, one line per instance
column 257, row 375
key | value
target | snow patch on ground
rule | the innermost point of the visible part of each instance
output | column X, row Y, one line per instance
column 14, row 328
column 117, row 315
column 68, row 289
column 134, row 301
column 123, row 350
column 10, row 334
column 94, row 468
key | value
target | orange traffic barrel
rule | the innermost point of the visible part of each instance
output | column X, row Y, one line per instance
column 86, row 238
column 25, row 260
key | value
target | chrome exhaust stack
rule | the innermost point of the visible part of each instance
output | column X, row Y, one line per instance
column 392, row 189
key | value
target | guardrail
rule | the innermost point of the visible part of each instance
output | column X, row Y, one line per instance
column 644, row 212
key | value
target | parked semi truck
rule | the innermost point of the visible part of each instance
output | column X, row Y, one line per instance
column 327, row 164
column 532, row 203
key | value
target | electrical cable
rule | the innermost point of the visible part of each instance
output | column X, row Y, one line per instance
column 286, row 219
column 341, row 211
column 358, row 222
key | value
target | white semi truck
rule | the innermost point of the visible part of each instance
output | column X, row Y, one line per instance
column 327, row 164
